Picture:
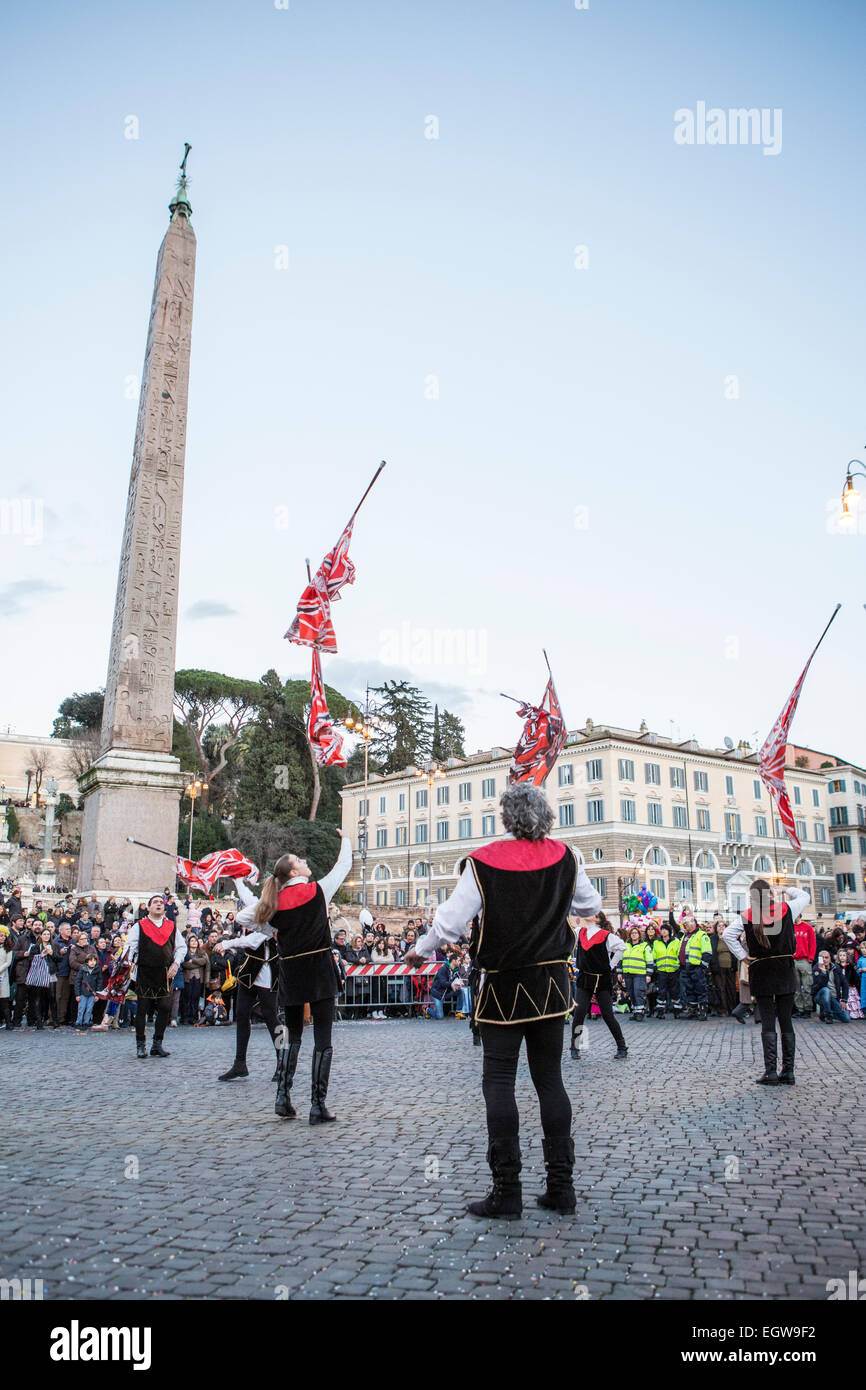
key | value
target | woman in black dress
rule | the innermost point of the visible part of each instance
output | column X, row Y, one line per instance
column 297, row 909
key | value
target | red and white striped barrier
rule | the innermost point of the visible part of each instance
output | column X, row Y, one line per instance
column 394, row 969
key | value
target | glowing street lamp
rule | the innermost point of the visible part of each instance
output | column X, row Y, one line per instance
column 850, row 494
column 192, row 790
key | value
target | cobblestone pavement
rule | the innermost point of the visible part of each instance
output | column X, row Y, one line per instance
column 128, row 1179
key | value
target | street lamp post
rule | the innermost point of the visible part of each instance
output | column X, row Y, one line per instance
column 194, row 789
column 849, row 491
column 430, row 774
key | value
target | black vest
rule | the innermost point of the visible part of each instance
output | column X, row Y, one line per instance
column 303, row 932
column 773, row 970
column 151, row 976
column 593, row 965
column 251, row 963
column 524, row 939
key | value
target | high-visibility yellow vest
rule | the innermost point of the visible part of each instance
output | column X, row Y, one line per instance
column 696, row 945
column 667, row 957
column 635, row 959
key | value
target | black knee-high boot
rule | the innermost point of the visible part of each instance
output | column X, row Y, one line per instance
column 504, row 1201
column 789, row 1048
column 287, row 1062
column 559, row 1162
column 771, row 1055
column 319, row 1112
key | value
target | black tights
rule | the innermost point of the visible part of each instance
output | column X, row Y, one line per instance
column 163, row 1009
column 322, row 1013
column 267, row 1002
column 773, row 1006
column 582, row 1000
column 501, row 1044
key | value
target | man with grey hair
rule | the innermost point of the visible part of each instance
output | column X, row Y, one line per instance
column 521, row 890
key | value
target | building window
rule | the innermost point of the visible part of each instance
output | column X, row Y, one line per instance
column 684, row 888
column 598, row 854
column 680, row 818
column 655, row 855
column 594, row 812
column 401, row 801
column 756, row 788
column 382, row 805
column 566, row 813
column 363, row 807
column 657, row 888
column 488, row 787
column 628, row 810
column 732, row 826
column 825, row 897
column 701, row 782
column 652, row 774
column 729, row 786
column 441, row 894
column 464, row 791
column 841, row 844
column 761, row 826
column 820, row 833
column 421, row 834
column 400, row 836
column 593, row 770
column 441, row 830
column 654, row 812
column 845, row 883
column 705, row 860
column 421, row 869
column 803, row 868
column 762, row 864
column 442, row 795
column 421, row 799
column 399, row 897
column 862, row 846
column 566, row 774
column 381, row 897
column 798, row 799
column 626, row 770
column 800, row 827
column 380, row 872
column 816, row 797
column 488, row 825
column 838, row 815
column 678, row 777
column 708, row 890
column 464, row 828
column 420, row 897
column 703, row 818
column 381, row 839
column 629, row 854
column 838, row 785
column 600, row 886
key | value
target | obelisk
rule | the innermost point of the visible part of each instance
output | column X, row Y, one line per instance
column 134, row 785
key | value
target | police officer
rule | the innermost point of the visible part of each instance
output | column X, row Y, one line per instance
column 695, row 955
column 635, row 968
column 667, row 960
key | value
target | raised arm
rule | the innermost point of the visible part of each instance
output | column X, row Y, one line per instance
column 331, row 881
column 586, row 901
column 449, row 923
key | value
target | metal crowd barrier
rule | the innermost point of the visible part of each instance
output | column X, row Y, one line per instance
column 398, row 990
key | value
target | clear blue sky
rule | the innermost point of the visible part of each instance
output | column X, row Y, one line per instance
column 702, row 569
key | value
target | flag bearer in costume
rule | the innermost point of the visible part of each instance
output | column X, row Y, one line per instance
column 258, row 979
column 156, row 949
column 523, row 890
column 599, row 952
column 297, row 910
column 770, row 945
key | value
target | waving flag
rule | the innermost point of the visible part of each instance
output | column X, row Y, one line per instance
column 312, row 625
column 326, row 743
column 772, row 752
column 221, row 863
column 542, row 740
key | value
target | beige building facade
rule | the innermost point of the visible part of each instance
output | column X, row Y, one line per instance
column 693, row 824
column 20, row 753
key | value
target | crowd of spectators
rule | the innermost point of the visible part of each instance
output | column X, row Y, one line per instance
column 57, row 960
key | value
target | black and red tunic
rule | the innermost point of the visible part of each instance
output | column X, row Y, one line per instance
column 524, row 938
column 303, row 934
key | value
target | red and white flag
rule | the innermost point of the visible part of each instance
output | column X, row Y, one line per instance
column 542, row 740
column 221, row 863
column 312, row 625
column 771, row 755
column 325, row 741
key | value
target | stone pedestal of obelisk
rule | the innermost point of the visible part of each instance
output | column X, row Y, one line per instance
column 134, row 786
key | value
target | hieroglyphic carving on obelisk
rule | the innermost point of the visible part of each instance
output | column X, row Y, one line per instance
column 139, row 690
column 133, row 788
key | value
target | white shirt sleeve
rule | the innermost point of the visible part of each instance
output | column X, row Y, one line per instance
column 331, row 882
column 733, row 937
column 250, row 940
column 615, row 949
column 181, row 950
column 798, row 901
column 245, row 893
column 586, row 901
column 451, row 918
column 247, row 914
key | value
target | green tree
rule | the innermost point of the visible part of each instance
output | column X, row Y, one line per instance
column 65, row 804
column 297, row 705
column 77, row 713
column 452, row 736
column 407, row 733
column 214, row 711
column 13, row 823
column 436, row 741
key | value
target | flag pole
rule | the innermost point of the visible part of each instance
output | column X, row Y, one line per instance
column 309, row 576
column 512, row 697
column 142, row 845
column 369, row 489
